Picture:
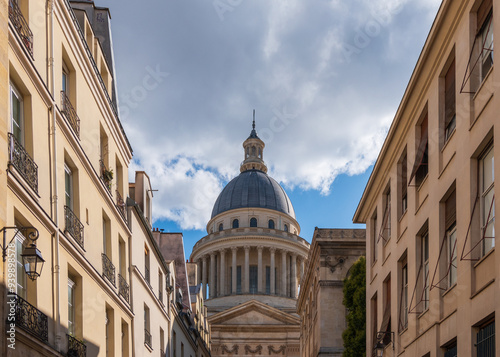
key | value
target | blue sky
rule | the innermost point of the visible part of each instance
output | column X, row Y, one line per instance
column 324, row 76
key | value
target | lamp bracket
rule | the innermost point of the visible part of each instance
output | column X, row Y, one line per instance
column 29, row 232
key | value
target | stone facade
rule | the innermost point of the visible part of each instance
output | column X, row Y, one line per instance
column 322, row 314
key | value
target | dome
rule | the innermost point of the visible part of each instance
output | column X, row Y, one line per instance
column 253, row 188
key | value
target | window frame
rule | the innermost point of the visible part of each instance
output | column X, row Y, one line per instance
column 68, row 187
column 424, row 251
column 485, row 218
column 252, row 224
column 451, row 248
column 14, row 92
column 71, row 306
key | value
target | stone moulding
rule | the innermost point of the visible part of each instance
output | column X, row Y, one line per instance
column 233, row 350
column 278, row 351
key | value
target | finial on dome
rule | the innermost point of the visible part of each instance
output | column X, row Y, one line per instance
column 253, row 124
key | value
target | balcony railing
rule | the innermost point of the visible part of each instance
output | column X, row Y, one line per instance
column 73, row 226
column 123, row 288
column 70, row 114
column 76, row 348
column 108, row 269
column 30, row 319
column 147, row 338
column 146, row 274
column 106, row 176
column 121, row 206
column 22, row 161
column 21, row 26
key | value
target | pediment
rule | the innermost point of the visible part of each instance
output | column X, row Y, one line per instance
column 253, row 312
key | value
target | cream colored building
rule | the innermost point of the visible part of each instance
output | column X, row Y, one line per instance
column 433, row 275
column 322, row 314
column 65, row 159
column 152, row 280
column 250, row 263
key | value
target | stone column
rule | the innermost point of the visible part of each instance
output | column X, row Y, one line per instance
column 233, row 277
column 212, row 275
column 204, row 276
column 283, row 273
column 198, row 273
column 302, row 264
column 246, row 289
column 259, row 269
column 273, row 280
column 222, row 286
column 293, row 286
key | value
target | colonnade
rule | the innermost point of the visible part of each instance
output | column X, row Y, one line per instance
column 213, row 271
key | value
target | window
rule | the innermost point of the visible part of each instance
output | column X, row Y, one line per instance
column 110, row 328
column 487, row 198
column 71, row 307
column 424, row 241
column 68, row 186
column 420, row 166
column 253, row 279
column 253, row 222
column 65, row 79
column 374, row 238
column 162, row 342
column 17, row 114
column 403, row 320
column 451, row 350
column 236, row 223
column 451, row 238
column 385, row 232
column 147, row 327
column 285, row 227
column 160, row 286
column 106, row 237
column 485, row 37
column 485, row 340
column 182, row 349
column 270, row 224
column 403, row 184
column 174, row 344
column 146, row 264
column 449, row 102
column 386, row 318
column 221, row 227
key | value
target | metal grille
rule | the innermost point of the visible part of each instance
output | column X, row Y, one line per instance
column 21, row 25
column 30, row 319
column 73, row 226
column 486, row 341
column 76, row 348
column 147, row 338
column 121, row 206
column 22, row 161
column 123, row 288
column 108, row 269
column 70, row 114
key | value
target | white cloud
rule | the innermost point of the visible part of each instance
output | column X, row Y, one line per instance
column 320, row 114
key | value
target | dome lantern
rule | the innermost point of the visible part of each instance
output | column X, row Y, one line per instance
column 254, row 152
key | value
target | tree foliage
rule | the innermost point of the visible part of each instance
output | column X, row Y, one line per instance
column 355, row 302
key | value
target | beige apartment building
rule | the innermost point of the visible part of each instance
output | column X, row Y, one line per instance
column 322, row 314
column 433, row 275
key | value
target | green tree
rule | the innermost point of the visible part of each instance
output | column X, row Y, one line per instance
column 355, row 302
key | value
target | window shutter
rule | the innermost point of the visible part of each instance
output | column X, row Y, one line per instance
column 450, row 210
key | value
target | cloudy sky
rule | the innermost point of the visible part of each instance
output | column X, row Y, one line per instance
column 324, row 76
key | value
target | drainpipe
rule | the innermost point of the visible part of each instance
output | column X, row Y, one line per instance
column 54, row 201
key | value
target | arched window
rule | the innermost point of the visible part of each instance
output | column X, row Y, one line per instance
column 285, row 228
column 270, row 224
column 221, row 227
column 236, row 223
column 248, row 151
column 260, row 153
column 253, row 222
column 253, row 150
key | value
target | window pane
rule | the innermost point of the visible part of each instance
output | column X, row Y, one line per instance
column 452, row 253
column 17, row 117
column 488, row 170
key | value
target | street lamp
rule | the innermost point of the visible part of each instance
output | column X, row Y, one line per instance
column 380, row 346
column 32, row 257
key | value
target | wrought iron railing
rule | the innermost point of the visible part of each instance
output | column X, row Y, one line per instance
column 22, row 161
column 121, row 206
column 70, row 114
column 106, row 176
column 146, row 274
column 30, row 319
column 108, row 269
column 73, row 226
column 123, row 288
column 21, row 26
column 76, row 348
column 147, row 338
